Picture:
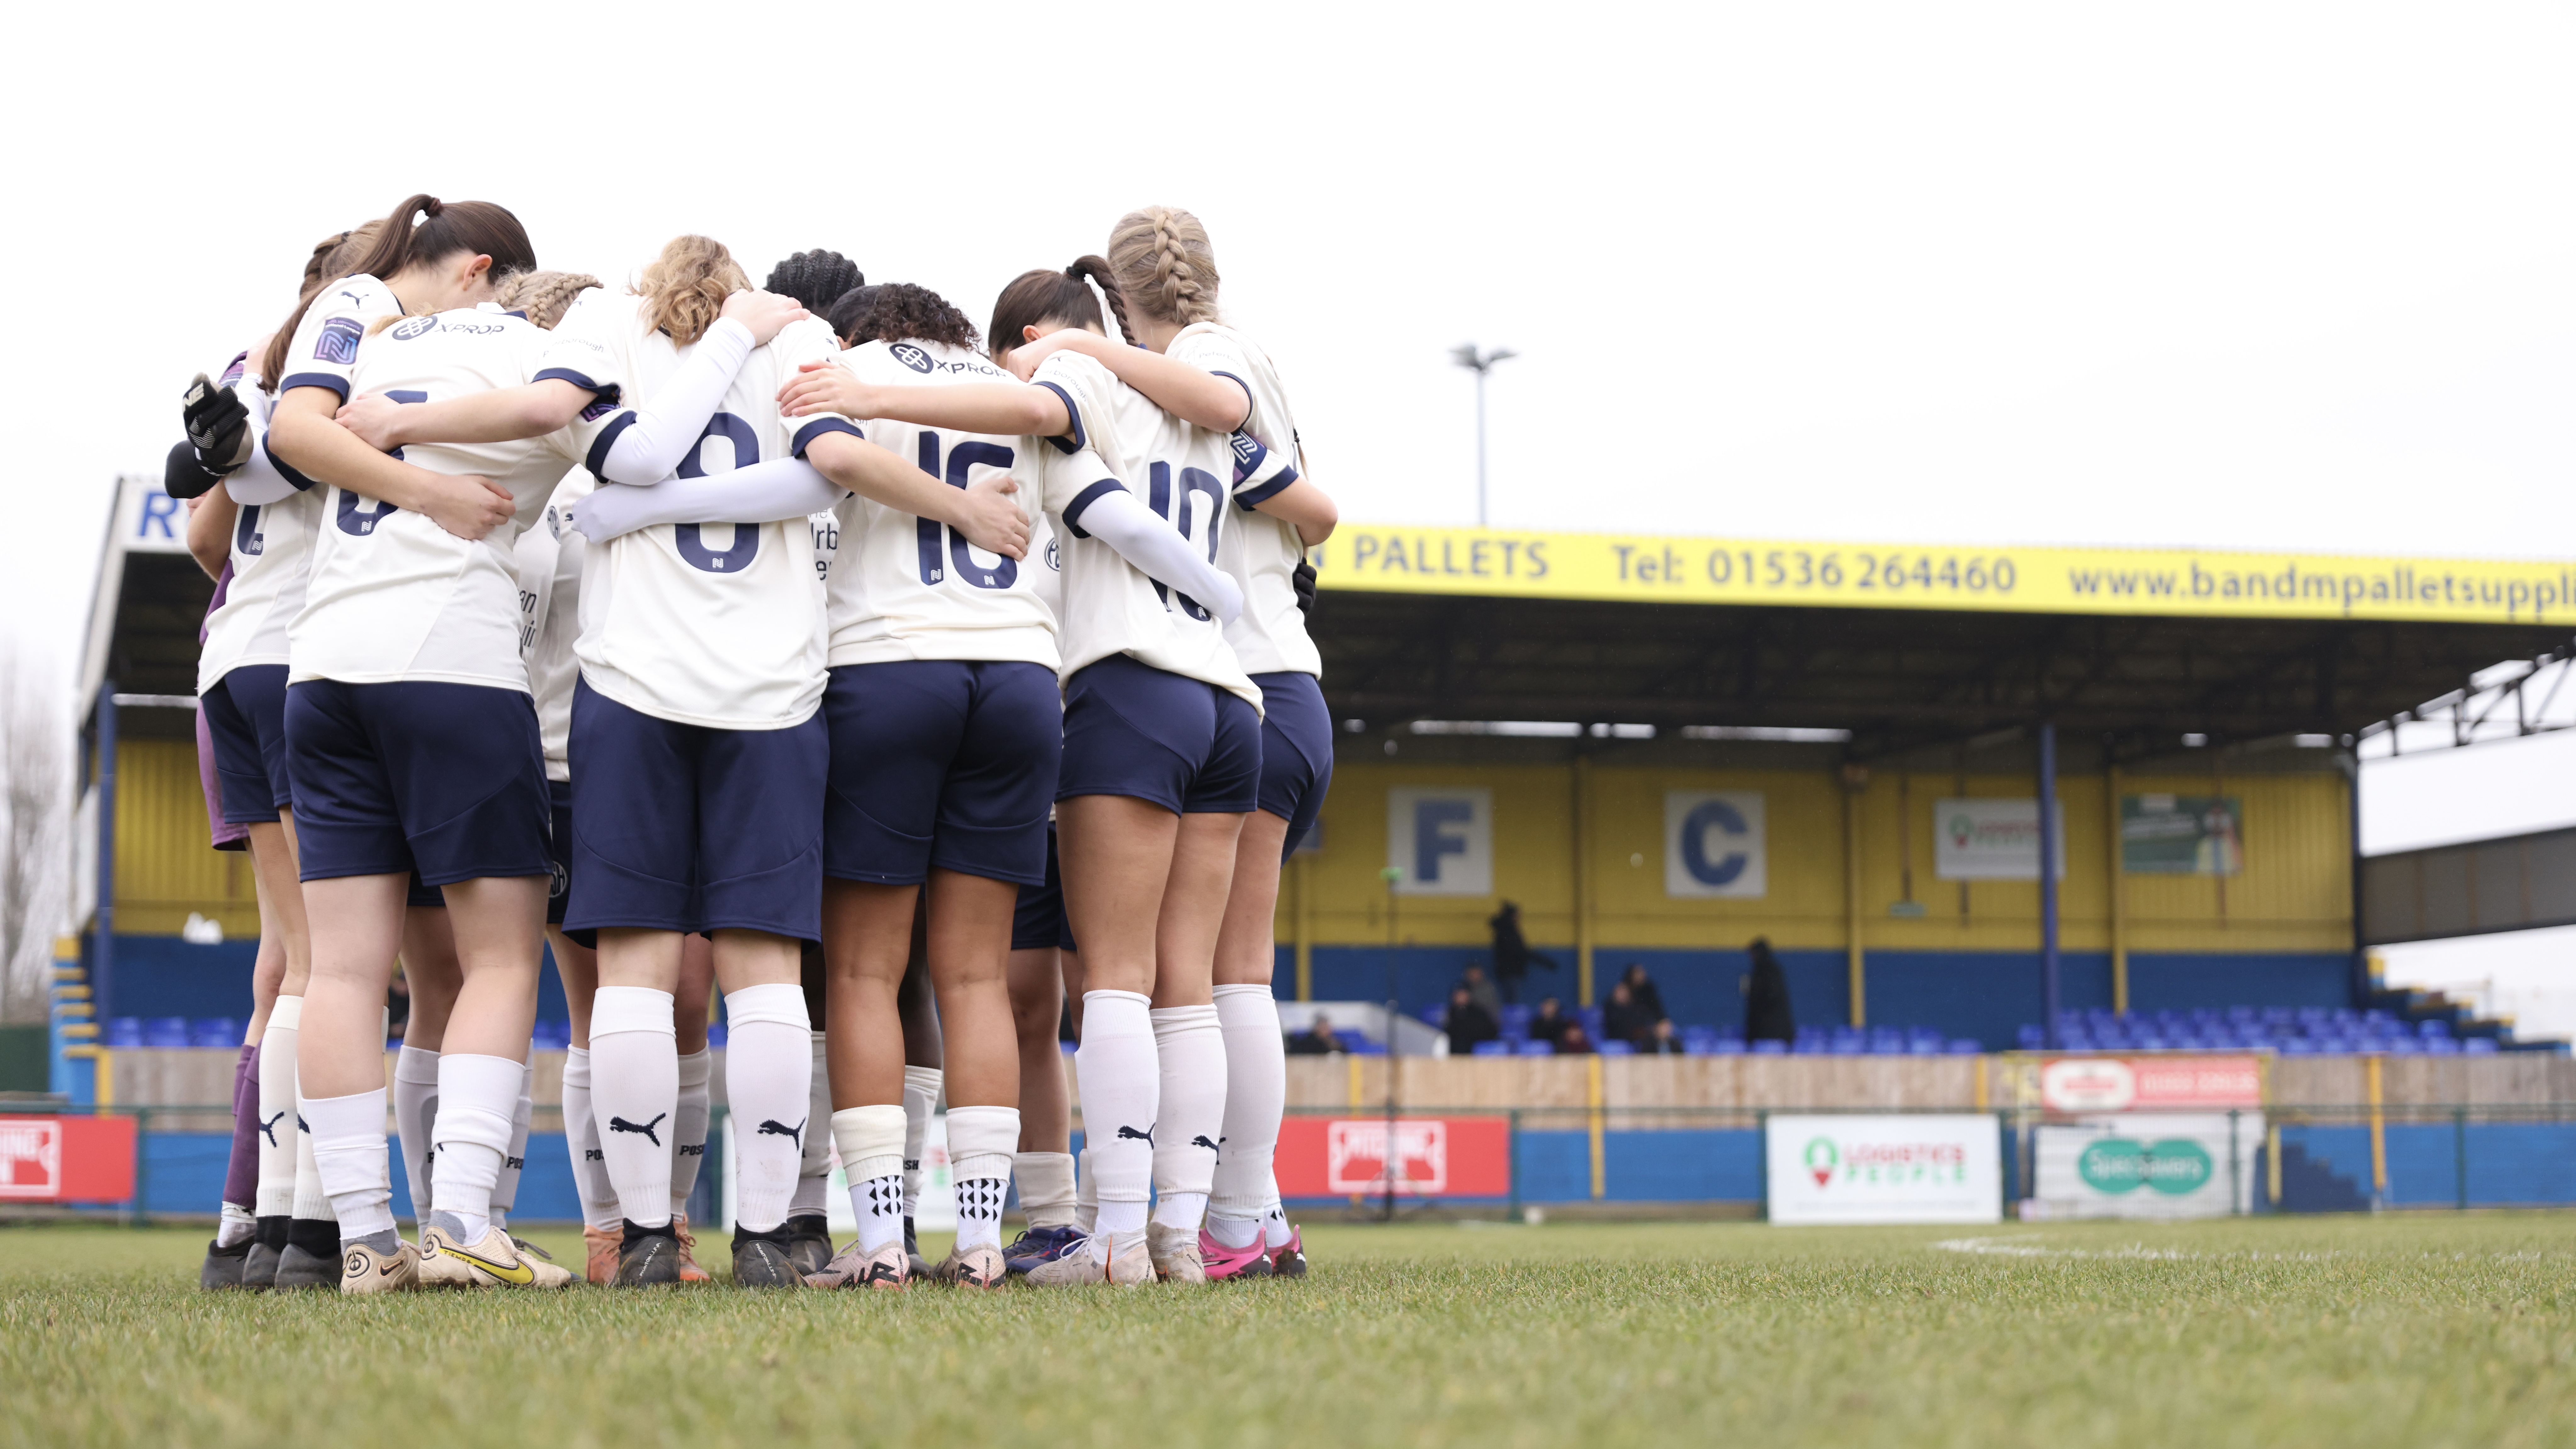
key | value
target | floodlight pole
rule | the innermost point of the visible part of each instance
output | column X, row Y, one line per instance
column 1467, row 355
column 2048, row 997
column 1391, row 875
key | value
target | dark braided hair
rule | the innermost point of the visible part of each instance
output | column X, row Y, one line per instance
column 1045, row 296
column 902, row 312
column 814, row 278
column 1097, row 269
column 849, row 310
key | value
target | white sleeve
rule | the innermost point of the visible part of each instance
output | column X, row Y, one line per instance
column 644, row 444
column 1108, row 512
column 259, row 481
column 770, row 492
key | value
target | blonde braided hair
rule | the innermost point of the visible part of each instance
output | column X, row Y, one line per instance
column 1165, row 265
column 686, row 287
column 544, row 296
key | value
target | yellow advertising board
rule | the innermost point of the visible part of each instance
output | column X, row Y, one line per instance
column 2208, row 582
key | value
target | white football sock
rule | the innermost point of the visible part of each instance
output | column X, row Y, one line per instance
column 348, row 1139
column 689, row 1126
column 814, row 1172
column 478, row 1098
column 1275, row 1231
column 1256, row 1096
column 920, row 1104
column 415, row 1109
column 634, row 1090
column 1189, row 1046
column 1046, row 1187
column 1086, row 1191
column 1121, row 1084
column 769, row 1089
column 312, row 1199
column 505, row 1193
column 581, row 1144
column 276, row 1196
column 980, row 1140
column 233, row 1224
column 870, row 1141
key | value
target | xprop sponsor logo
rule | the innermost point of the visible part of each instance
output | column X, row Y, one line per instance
column 2173, row 1166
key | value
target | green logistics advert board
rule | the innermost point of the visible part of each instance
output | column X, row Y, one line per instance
column 2182, row 834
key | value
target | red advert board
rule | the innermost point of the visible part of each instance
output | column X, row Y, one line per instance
column 1435, row 1156
column 66, row 1159
column 2150, row 1083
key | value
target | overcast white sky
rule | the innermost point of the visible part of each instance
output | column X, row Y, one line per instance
column 2282, row 276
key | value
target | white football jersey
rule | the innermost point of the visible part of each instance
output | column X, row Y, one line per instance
column 1261, row 552
column 325, row 349
column 903, row 587
column 1182, row 472
column 272, row 553
column 710, row 624
column 393, row 595
column 548, row 560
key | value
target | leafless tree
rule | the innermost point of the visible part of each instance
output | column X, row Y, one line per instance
column 35, row 790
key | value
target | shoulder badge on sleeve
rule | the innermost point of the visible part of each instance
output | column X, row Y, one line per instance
column 339, row 341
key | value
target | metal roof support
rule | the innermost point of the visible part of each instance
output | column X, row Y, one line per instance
column 2048, row 993
column 102, row 960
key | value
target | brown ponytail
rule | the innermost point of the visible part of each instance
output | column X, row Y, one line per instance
column 1044, row 296
column 686, row 287
column 421, row 229
column 1162, row 259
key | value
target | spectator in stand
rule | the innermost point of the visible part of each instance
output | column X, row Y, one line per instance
column 1623, row 1020
column 1766, row 997
column 1481, row 986
column 1575, row 1043
column 1468, row 1022
column 1641, row 990
column 1317, row 1040
column 1549, row 1024
column 1661, row 1041
column 1512, row 955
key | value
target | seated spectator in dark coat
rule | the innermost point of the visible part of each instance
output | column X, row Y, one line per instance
column 1548, row 1024
column 1468, row 1022
column 1661, row 1041
column 1481, row 987
column 1576, row 1042
column 1316, row 1040
column 1623, row 1020
column 1641, row 990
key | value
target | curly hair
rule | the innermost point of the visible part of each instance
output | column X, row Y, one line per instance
column 686, row 286
column 815, row 278
column 902, row 312
column 544, row 296
column 1164, row 263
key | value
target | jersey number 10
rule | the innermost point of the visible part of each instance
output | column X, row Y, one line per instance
column 938, row 546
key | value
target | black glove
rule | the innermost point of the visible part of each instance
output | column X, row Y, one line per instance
column 183, row 477
column 217, row 424
column 1303, row 580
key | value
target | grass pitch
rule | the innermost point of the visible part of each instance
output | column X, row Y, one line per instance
column 2346, row 1331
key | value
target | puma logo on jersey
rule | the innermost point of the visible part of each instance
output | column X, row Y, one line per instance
column 1130, row 1133
column 620, row 1124
column 771, row 1127
column 268, row 1128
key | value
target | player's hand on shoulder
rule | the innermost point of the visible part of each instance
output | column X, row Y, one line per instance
column 765, row 313
column 1025, row 358
column 467, row 505
column 375, row 418
column 824, row 387
column 993, row 521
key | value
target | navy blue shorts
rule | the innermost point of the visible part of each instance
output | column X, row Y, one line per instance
column 1296, row 752
column 428, row 897
column 679, row 827
column 1188, row 746
column 447, row 781
column 944, row 763
column 1038, row 922
column 246, row 718
column 559, row 793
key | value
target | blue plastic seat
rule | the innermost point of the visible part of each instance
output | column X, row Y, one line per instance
column 1493, row 1049
column 2441, row 1046
column 1966, row 1046
column 2434, row 1027
column 1537, row 1049
column 715, row 1034
column 1726, row 1046
column 215, row 1031
column 2479, row 1046
column 165, row 1031
column 122, row 1031
column 1770, row 1047
column 1616, row 1048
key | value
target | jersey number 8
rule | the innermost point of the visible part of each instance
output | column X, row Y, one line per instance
column 689, row 537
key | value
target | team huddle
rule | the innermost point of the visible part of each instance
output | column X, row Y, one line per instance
column 802, row 644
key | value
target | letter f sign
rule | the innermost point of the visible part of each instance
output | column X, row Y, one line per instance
column 1438, row 830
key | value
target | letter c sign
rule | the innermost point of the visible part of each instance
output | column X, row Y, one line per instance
column 1713, row 844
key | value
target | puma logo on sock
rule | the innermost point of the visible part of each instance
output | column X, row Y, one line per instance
column 620, row 1124
column 1130, row 1133
column 268, row 1129
column 770, row 1127
column 1201, row 1141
